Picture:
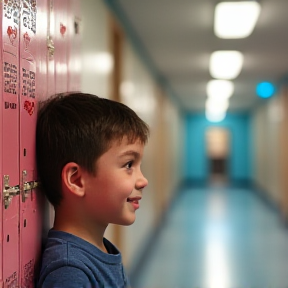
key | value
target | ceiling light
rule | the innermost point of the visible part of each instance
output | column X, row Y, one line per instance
column 214, row 105
column 215, row 117
column 220, row 89
column 235, row 19
column 225, row 64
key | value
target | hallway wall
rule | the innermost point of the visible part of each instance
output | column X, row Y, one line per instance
column 266, row 128
column 270, row 122
column 240, row 162
column 95, row 43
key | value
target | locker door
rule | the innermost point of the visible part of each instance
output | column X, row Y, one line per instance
column 45, row 87
column 10, row 142
column 46, row 77
column 42, row 50
column 51, row 49
column 74, row 46
column 61, row 44
column 30, row 199
column 1, row 149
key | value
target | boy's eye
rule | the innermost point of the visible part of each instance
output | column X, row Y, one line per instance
column 129, row 165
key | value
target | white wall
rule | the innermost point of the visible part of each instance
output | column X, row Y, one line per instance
column 175, row 124
column 95, row 48
column 266, row 121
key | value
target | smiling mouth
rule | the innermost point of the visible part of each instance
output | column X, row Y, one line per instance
column 134, row 200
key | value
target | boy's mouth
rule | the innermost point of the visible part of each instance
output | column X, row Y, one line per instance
column 134, row 200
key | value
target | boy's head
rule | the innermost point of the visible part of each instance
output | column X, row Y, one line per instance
column 80, row 128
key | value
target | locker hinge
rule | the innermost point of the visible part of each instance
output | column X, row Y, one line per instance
column 9, row 192
column 27, row 186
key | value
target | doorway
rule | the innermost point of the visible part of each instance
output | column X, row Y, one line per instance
column 218, row 146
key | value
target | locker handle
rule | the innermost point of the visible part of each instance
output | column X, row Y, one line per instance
column 28, row 187
column 9, row 192
column 50, row 46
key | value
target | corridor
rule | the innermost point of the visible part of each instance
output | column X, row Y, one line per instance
column 218, row 237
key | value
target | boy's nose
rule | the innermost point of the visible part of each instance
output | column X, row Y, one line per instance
column 142, row 182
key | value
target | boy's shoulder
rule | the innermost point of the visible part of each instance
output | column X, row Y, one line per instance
column 70, row 259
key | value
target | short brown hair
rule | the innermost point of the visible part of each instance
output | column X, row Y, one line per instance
column 79, row 127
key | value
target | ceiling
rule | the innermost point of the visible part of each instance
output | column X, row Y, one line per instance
column 177, row 37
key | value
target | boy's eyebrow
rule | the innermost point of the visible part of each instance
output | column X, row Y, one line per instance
column 129, row 153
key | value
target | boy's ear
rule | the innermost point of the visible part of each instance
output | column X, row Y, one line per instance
column 72, row 179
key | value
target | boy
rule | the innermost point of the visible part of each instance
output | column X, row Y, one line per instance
column 89, row 152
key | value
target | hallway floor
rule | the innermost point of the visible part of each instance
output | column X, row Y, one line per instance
column 218, row 237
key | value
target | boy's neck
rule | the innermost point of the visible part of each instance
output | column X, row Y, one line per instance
column 91, row 233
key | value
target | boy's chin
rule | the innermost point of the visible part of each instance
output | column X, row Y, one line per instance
column 126, row 222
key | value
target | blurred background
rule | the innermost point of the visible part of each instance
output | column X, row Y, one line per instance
column 211, row 81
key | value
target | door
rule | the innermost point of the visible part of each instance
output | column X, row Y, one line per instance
column 218, row 142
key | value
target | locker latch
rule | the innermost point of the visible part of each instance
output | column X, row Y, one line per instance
column 27, row 186
column 50, row 46
column 9, row 192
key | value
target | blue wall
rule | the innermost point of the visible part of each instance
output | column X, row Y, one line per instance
column 240, row 160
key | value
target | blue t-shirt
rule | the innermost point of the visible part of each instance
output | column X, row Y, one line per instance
column 69, row 261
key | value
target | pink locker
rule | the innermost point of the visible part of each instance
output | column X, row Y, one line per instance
column 42, row 51
column 1, row 152
column 46, row 78
column 74, row 46
column 10, row 142
column 38, row 65
column 45, row 85
column 61, row 44
column 51, row 49
column 31, row 88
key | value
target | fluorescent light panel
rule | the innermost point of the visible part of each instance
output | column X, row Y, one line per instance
column 216, row 106
column 216, row 109
column 219, row 89
column 215, row 117
column 235, row 19
column 226, row 64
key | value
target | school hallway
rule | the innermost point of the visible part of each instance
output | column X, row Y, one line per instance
column 217, row 236
column 214, row 103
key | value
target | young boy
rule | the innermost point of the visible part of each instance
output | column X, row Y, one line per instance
column 89, row 152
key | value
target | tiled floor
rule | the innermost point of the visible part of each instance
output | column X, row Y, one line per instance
column 218, row 238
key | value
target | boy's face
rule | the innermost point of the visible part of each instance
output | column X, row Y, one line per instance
column 114, row 194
